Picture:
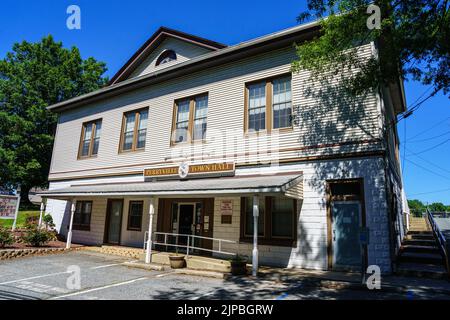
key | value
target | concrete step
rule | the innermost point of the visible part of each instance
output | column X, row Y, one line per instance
column 419, row 236
column 419, row 242
column 209, row 264
column 419, row 257
column 419, row 249
column 422, row 271
column 195, row 262
column 421, row 232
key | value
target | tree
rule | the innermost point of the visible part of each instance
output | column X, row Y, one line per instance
column 416, row 207
column 413, row 37
column 32, row 77
column 437, row 207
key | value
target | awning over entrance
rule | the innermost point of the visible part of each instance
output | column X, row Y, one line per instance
column 288, row 184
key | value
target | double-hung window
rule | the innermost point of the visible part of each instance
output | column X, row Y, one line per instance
column 276, row 220
column 90, row 139
column 135, row 215
column 268, row 105
column 257, row 107
column 134, row 130
column 282, row 103
column 82, row 215
column 190, row 119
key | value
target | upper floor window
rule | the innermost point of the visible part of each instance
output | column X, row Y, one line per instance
column 190, row 119
column 134, row 130
column 268, row 105
column 90, row 139
column 166, row 56
column 282, row 103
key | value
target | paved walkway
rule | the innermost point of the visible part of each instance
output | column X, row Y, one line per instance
column 342, row 279
column 444, row 226
column 108, row 277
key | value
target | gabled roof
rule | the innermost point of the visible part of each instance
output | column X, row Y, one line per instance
column 272, row 41
column 157, row 38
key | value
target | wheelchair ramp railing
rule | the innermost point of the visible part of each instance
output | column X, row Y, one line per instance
column 186, row 242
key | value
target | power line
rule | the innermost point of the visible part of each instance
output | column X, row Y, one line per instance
column 431, row 138
column 426, row 169
column 429, row 192
column 433, row 147
column 431, row 128
column 433, row 164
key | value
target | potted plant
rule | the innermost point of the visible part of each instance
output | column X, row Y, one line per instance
column 177, row 261
column 238, row 265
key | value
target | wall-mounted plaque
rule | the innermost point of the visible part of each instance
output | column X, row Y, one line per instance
column 226, row 207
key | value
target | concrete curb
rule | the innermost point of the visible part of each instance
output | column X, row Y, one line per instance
column 202, row 273
column 145, row 266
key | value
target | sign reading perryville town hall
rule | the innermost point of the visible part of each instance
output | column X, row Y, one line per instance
column 185, row 170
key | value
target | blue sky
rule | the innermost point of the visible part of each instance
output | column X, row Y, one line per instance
column 111, row 31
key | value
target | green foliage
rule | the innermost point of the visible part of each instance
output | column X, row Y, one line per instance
column 416, row 207
column 37, row 237
column 437, row 207
column 32, row 77
column 6, row 237
column 413, row 42
column 48, row 220
column 239, row 258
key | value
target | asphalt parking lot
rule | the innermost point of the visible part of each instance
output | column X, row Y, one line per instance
column 106, row 277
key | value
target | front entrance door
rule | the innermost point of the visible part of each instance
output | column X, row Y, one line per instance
column 113, row 221
column 345, row 235
column 186, row 221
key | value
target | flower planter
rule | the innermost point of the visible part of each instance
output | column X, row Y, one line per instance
column 238, row 268
column 177, row 262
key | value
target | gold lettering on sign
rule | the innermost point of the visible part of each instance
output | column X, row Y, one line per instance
column 193, row 169
column 161, row 171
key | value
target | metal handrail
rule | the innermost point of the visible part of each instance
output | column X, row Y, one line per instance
column 441, row 240
column 190, row 243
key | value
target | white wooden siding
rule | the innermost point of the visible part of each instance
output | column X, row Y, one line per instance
column 311, row 249
column 184, row 51
column 322, row 121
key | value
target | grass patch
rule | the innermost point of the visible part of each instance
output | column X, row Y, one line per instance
column 21, row 219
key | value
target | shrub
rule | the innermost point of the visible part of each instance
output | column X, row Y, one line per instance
column 6, row 237
column 36, row 237
column 48, row 220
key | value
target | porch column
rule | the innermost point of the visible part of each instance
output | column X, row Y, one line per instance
column 255, row 235
column 151, row 212
column 69, row 234
column 41, row 213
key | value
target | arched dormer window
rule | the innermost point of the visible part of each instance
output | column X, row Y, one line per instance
column 166, row 56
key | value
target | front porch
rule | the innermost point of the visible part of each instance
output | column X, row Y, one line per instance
column 193, row 215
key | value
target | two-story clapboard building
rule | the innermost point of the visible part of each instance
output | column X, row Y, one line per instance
column 227, row 145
